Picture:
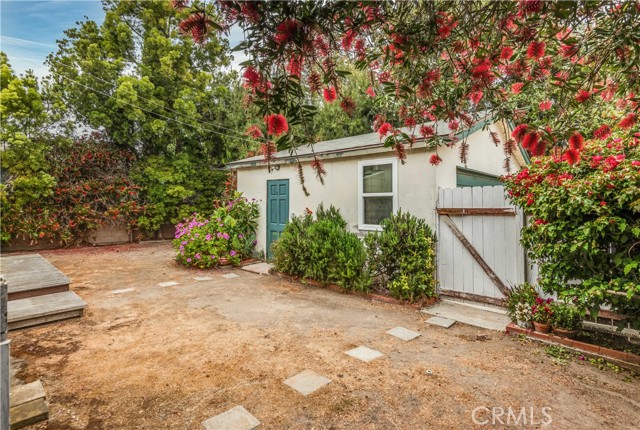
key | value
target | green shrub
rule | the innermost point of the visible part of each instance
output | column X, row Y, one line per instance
column 322, row 250
column 402, row 257
column 229, row 232
column 566, row 316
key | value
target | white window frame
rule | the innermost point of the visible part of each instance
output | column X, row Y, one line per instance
column 394, row 189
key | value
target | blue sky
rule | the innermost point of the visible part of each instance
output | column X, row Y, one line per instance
column 29, row 29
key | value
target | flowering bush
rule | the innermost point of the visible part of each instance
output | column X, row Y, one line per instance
column 566, row 316
column 519, row 301
column 585, row 233
column 89, row 187
column 229, row 234
column 542, row 311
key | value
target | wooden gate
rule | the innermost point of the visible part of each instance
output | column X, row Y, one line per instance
column 479, row 251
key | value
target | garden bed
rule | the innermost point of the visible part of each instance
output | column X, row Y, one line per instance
column 374, row 297
column 608, row 350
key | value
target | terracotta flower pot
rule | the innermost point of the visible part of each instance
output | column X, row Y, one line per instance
column 524, row 324
column 542, row 327
column 569, row 334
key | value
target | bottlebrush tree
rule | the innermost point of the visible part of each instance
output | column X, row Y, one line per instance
column 585, row 222
column 554, row 69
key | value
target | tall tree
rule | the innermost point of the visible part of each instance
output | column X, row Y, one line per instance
column 173, row 102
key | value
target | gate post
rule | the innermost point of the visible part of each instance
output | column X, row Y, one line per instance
column 4, row 357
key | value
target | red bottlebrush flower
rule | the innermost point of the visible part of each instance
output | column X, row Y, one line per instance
column 583, row 96
column 536, row 50
column 249, row 10
column 519, row 132
column 427, row 131
column 568, row 51
column 495, row 138
column 252, row 77
column 545, row 105
column 318, row 167
column 348, row 105
column 385, row 129
column 603, row 132
column 286, row 31
column 506, row 53
column 539, row 147
column 330, row 94
column 268, row 150
column 347, row 40
column 197, row 24
column 454, row 125
column 509, row 147
column 400, row 151
column 628, row 121
column 531, row 6
column 180, row 4
column 476, row 96
column 410, row 122
column 530, row 141
column 571, row 156
column 517, row 88
column 294, row 67
column 482, row 70
column 576, row 141
column 435, row 159
column 603, row 203
column 315, row 82
column 277, row 124
column 254, row 131
column 321, row 46
column 370, row 92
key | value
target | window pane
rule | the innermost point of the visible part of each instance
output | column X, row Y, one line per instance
column 377, row 179
column 376, row 209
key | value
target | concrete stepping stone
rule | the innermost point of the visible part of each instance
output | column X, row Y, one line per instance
column 168, row 284
column 307, row 382
column 237, row 418
column 124, row 290
column 259, row 268
column 363, row 353
column 403, row 333
column 441, row 322
column 203, row 278
column 230, row 276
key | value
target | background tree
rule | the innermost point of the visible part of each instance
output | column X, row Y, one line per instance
column 172, row 102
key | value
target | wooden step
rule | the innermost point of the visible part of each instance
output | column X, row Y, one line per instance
column 28, row 413
column 28, row 404
column 30, row 275
column 44, row 309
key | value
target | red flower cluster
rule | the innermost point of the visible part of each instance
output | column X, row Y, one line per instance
column 536, row 50
column 435, row 159
column 277, row 124
column 330, row 95
column 385, row 129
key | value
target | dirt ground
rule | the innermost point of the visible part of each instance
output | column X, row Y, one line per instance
column 169, row 358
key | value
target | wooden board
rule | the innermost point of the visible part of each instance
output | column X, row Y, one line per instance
column 26, row 393
column 31, row 275
column 43, row 309
column 29, row 413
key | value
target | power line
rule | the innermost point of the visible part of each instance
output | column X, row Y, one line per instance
column 143, row 109
column 140, row 97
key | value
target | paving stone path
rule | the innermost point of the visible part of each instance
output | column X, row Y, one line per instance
column 403, row 333
column 441, row 322
column 230, row 276
column 124, row 290
column 307, row 382
column 203, row 278
column 364, row 353
column 168, row 284
column 237, row 418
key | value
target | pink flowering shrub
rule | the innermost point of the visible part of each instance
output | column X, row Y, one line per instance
column 585, row 222
column 228, row 233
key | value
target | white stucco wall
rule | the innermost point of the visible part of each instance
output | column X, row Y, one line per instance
column 418, row 181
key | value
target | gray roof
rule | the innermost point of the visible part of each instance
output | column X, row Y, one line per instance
column 346, row 144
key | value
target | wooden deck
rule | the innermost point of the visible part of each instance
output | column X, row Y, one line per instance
column 28, row 405
column 30, row 275
column 44, row 309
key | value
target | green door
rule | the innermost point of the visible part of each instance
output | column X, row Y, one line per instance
column 277, row 210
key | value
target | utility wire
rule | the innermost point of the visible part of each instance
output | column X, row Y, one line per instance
column 141, row 108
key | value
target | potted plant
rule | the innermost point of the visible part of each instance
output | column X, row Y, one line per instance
column 542, row 314
column 519, row 302
column 566, row 320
